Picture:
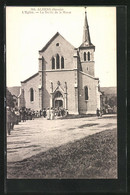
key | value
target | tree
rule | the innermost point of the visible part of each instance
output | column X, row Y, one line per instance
column 106, row 100
column 112, row 101
column 9, row 99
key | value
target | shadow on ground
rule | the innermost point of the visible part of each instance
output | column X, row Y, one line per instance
column 108, row 117
column 72, row 116
column 88, row 125
column 92, row 157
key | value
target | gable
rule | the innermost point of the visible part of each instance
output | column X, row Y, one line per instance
column 57, row 45
column 53, row 39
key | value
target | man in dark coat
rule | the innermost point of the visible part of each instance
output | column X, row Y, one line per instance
column 44, row 112
column 8, row 120
column 13, row 119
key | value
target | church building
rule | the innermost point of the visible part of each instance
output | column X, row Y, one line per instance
column 66, row 77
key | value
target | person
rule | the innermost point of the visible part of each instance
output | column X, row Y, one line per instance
column 40, row 113
column 62, row 112
column 17, row 116
column 44, row 112
column 98, row 112
column 48, row 113
column 29, row 113
column 33, row 114
column 13, row 119
column 59, row 112
column 67, row 112
column 37, row 114
column 8, row 120
column 51, row 114
column 20, row 112
column 24, row 114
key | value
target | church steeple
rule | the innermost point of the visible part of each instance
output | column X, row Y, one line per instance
column 86, row 34
column 86, row 50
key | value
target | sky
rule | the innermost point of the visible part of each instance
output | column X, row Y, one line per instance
column 28, row 29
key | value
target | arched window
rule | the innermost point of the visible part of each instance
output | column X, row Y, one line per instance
column 31, row 94
column 53, row 63
column 86, row 93
column 57, row 61
column 88, row 56
column 84, row 56
column 62, row 62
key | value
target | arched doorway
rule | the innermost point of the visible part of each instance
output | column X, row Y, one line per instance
column 58, row 100
column 58, row 104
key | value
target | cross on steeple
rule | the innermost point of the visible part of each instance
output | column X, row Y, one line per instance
column 85, row 9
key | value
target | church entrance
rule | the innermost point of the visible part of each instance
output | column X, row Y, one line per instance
column 58, row 104
column 58, row 100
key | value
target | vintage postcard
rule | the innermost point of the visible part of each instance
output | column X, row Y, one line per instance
column 61, row 92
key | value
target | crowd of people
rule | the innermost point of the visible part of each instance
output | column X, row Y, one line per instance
column 14, row 115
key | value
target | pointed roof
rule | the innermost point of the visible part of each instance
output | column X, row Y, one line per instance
column 86, row 35
column 36, row 74
column 52, row 39
column 49, row 42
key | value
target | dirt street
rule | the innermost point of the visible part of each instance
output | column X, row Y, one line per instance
column 35, row 136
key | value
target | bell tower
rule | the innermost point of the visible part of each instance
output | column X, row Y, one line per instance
column 86, row 50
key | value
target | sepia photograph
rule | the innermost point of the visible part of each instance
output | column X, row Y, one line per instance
column 61, row 92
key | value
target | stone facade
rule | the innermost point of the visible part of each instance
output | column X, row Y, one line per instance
column 65, row 77
column 27, row 85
